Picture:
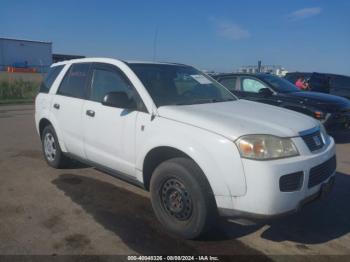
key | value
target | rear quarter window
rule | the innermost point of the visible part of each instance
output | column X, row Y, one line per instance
column 50, row 78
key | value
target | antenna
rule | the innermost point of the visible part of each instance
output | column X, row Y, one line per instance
column 155, row 44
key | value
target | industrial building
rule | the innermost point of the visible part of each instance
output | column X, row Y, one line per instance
column 61, row 57
column 269, row 69
column 28, row 56
column 19, row 55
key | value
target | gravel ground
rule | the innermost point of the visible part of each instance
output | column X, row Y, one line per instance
column 83, row 211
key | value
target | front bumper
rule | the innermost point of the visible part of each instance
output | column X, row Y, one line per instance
column 246, row 218
column 264, row 198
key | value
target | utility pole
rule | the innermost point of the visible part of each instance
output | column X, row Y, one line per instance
column 155, row 44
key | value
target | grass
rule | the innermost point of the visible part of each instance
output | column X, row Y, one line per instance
column 18, row 91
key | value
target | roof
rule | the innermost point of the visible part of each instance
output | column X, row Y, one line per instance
column 151, row 62
column 25, row 40
column 239, row 74
column 67, row 55
column 107, row 60
column 310, row 73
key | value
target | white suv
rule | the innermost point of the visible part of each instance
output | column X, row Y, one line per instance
column 173, row 130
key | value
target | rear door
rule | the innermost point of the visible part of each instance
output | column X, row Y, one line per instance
column 109, row 132
column 67, row 107
column 43, row 99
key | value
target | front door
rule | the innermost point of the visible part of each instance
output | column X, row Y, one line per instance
column 109, row 132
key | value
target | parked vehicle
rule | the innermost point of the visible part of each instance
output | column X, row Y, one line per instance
column 332, row 111
column 325, row 83
column 184, row 137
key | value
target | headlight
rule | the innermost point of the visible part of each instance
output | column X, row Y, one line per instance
column 266, row 147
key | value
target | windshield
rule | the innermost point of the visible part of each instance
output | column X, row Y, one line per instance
column 179, row 85
column 280, row 85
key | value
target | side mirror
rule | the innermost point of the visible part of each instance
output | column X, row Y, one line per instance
column 119, row 100
column 265, row 92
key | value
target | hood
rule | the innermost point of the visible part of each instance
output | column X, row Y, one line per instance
column 241, row 117
column 323, row 99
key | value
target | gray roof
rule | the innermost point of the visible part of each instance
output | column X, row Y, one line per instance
column 24, row 40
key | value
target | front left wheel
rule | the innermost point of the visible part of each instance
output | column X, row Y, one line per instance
column 51, row 148
column 182, row 198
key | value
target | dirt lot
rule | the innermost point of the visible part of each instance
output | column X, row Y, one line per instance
column 83, row 211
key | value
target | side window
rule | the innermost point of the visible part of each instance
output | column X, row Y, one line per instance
column 74, row 82
column 50, row 78
column 105, row 81
column 251, row 85
column 229, row 83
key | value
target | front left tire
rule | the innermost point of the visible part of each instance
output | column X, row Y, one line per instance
column 182, row 198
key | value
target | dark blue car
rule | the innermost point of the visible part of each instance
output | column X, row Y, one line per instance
column 332, row 111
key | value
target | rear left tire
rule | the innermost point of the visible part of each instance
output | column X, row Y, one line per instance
column 52, row 150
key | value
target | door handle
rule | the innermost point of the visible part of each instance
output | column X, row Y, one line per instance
column 90, row 113
column 56, row 106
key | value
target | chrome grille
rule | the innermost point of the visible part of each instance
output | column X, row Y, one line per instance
column 313, row 140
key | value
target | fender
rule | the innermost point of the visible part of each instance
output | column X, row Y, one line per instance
column 43, row 105
column 217, row 156
column 54, row 123
column 57, row 128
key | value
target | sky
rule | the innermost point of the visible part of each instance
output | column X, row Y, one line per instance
column 308, row 35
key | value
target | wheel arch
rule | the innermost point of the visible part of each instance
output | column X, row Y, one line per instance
column 214, row 166
column 44, row 122
column 156, row 156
